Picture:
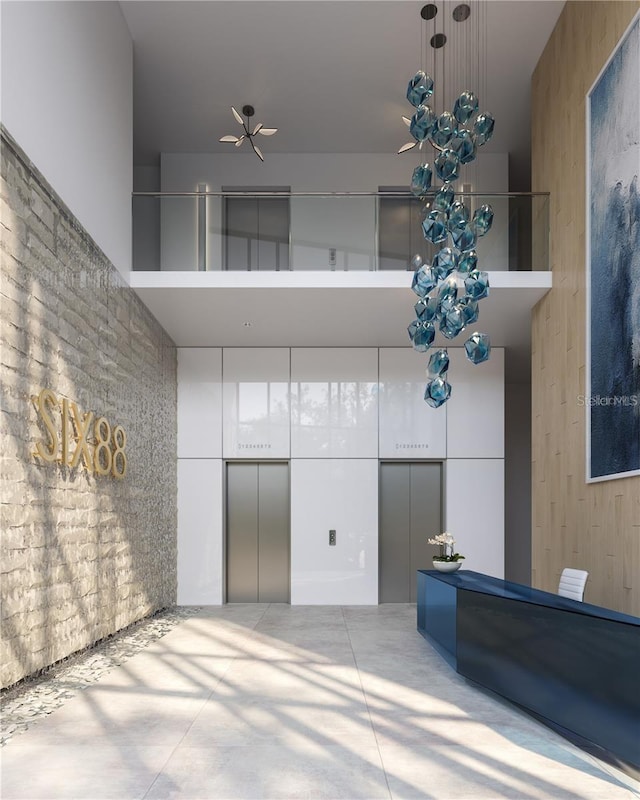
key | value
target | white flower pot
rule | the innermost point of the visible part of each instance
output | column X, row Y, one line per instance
column 447, row 566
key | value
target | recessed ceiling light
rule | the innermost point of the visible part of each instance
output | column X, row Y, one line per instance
column 461, row 12
column 246, row 324
column 429, row 11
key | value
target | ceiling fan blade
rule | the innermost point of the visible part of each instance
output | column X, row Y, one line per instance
column 268, row 131
column 407, row 146
column 406, row 121
column 240, row 140
column 257, row 129
column 233, row 139
column 258, row 152
column 237, row 116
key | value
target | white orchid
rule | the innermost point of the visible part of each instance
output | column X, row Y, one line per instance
column 446, row 543
column 443, row 539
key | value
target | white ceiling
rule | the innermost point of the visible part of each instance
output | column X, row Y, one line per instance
column 330, row 74
column 332, row 77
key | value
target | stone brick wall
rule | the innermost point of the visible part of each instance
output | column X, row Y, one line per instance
column 82, row 555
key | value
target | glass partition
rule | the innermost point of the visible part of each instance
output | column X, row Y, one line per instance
column 285, row 231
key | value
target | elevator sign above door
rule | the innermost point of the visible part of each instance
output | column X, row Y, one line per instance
column 74, row 438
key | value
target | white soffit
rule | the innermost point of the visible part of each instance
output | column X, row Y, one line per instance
column 332, row 309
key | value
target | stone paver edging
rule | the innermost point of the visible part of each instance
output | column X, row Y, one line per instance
column 29, row 701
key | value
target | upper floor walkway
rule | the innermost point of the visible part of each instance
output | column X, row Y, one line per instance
column 269, row 269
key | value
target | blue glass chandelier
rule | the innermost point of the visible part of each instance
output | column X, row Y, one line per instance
column 451, row 286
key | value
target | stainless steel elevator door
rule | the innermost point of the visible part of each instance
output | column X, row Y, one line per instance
column 256, row 230
column 258, row 533
column 410, row 513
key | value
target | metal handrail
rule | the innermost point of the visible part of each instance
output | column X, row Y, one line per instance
column 331, row 194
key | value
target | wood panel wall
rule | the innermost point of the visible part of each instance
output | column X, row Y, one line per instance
column 575, row 524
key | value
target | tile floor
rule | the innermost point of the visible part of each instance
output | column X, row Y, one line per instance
column 274, row 701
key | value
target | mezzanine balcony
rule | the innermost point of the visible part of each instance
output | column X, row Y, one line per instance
column 258, row 269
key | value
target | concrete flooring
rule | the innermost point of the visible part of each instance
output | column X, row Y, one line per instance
column 274, row 701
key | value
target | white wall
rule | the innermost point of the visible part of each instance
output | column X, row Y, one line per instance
column 341, row 495
column 312, row 172
column 200, row 481
column 200, row 532
column 67, row 93
column 199, row 402
column 348, row 408
column 317, row 224
column 475, row 410
column 334, row 402
column 257, row 422
column 474, row 512
column 408, row 427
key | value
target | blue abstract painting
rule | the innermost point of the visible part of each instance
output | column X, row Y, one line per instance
column 613, row 264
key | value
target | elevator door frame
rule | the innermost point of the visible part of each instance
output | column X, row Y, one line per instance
column 443, row 511
column 255, row 462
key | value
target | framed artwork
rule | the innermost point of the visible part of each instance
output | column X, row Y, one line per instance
column 612, row 396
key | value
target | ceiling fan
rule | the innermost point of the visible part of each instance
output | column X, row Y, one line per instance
column 248, row 111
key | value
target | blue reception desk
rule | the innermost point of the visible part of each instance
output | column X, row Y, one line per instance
column 573, row 665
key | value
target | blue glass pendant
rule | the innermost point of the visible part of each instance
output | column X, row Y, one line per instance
column 444, row 129
column 465, row 107
column 423, row 280
column 467, row 261
column 452, row 323
column 447, row 294
column 438, row 364
column 464, row 145
column 443, row 198
column 434, row 227
column 483, row 128
column 464, row 238
column 426, row 309
column 421, row 180
column 437, row 392
column 447, row 165
column 444, row 263
column 483, row 219
column 477, row 284
column 469, row 309
column 420, row 88
column 422, row 123
column 423, row 337
column 478, row 348
column 458, row 216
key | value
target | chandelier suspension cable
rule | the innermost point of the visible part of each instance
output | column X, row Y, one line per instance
column 443, row 74
column 486, row 50
column 475, row 65
column 424, row 65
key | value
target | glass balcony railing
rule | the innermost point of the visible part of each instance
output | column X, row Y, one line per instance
column 288, row 231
